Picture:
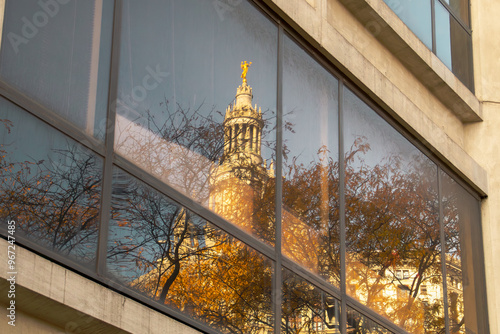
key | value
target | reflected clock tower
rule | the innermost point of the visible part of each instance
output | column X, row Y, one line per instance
column 237, row 181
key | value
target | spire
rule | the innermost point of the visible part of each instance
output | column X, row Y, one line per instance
column 243, row 125
column 244, row 67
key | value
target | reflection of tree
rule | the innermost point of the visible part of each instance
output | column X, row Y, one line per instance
column 311, row 215
column 179, row 259
column 54, row 201
column 170, row 254
column 454, row 211
column 392, row 213
column 181, row 146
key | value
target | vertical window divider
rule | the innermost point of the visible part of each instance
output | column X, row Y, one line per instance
column 342, row 204
column 433, row 27
column 278, row 281
column 105, row 210
column 443, row 251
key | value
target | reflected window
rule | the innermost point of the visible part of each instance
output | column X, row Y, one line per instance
column 306, row 308
column 358, row 323
column 49, row 185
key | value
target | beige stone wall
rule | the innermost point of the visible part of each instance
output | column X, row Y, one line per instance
column 52, row 299
column 483, row 139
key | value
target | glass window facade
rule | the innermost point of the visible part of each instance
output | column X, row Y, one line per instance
column 444, row 27
column 229, row 178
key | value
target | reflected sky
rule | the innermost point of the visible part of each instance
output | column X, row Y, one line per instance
column 200, row 52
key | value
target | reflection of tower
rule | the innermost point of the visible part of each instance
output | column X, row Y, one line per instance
column 237, row 181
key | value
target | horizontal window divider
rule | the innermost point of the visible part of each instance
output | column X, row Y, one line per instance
column 47, row 116
column 195, row 207
column 374, row 316
column 311, row 278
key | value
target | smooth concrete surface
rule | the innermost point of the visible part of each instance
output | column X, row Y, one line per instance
column 483, row 140
column 52, row 299
column 384, row 24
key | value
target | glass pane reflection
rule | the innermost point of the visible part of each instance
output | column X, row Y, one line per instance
column 393, row 234
column 176, row 258
column 49, row 185
column 461, row 8
column 58, row 54
column 178, row 117
column 443, row 42
column 310, row 164
column 416, row 15
column 460, row 214
column 307, row 309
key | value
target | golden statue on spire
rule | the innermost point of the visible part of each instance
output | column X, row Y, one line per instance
column 244, row 67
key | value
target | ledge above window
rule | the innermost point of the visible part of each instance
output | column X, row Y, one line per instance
column 412, row 52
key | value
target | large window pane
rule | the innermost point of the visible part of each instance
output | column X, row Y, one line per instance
column 443, row 43
column 171, row 255
column 461, row 53
column 307, row 309
column 416, row 15
column 461, row 9
column 310, row 164
column 49, row 185
column 460, row 214
column 57, row 52
column 181, row 64
column 392, row 227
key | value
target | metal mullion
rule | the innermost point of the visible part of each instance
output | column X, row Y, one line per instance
column 456, row 17
column 105, row 209
column 49, row 117
column 278, row 279
column 443, row 251
column 194, row 206
column 433, row 27
column 342, row 211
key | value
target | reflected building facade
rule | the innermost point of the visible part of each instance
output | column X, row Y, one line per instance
column 352, row 195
